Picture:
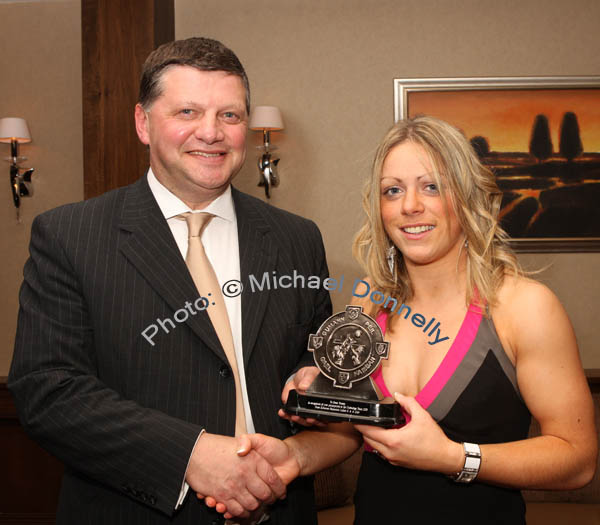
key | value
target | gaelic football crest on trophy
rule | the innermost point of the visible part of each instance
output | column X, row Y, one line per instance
column 347, row 349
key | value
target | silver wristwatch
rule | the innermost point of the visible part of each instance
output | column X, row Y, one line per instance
column 472, row 463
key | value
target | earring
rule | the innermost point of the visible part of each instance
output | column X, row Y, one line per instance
column 391, row 258
column 466, row 243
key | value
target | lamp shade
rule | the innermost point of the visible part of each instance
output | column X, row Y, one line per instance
column 12, row 128
column 266, row 118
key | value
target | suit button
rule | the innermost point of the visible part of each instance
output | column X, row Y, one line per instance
column 152, row 500
column 225, row 371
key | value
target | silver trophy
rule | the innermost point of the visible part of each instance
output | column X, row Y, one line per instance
column 347, row 349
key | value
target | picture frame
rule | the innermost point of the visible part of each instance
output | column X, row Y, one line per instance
column 540, row 136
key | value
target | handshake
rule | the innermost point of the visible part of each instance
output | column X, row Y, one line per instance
column 246, row 475
column 242, row 476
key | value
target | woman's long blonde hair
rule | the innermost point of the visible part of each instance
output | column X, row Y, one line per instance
column 476, row 200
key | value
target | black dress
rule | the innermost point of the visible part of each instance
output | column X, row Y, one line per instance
column 474, row 397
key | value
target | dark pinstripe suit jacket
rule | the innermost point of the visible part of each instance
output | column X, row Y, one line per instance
column 124, row 415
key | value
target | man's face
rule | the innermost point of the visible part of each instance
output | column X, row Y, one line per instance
column 196, row 130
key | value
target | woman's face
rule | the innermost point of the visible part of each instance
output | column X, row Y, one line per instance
column 415, row 217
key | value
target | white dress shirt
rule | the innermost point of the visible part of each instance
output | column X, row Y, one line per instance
column 220, row 240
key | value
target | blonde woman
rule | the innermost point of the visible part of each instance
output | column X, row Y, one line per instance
column 501, row 349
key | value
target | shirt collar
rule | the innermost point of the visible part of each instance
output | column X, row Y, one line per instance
column 170, row 205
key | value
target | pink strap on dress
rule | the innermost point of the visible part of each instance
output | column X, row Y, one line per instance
column 456, row 353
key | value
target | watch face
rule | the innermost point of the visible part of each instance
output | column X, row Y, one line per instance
column 348, row 347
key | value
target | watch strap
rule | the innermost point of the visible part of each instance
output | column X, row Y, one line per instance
column 472, row 464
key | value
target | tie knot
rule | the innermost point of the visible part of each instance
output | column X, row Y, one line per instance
column 197, row 222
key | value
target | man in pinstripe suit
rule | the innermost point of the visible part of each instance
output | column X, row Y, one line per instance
column 139, row 420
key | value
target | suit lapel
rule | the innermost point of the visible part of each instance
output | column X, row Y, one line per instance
column 258, row 254
column 152, row 250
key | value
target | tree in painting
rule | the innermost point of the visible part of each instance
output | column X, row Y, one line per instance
column 481, row 146
column 540, row 144
column 570, row 140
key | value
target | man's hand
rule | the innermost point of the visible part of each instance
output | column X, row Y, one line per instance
column 241, row 482
column 301, row 381
column 278, row 453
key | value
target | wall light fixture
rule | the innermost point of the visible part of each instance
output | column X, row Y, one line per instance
column 14, row 131
column 267, row 119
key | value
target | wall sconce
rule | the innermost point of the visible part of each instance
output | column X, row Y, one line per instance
column 267, row 119
column 15, row 131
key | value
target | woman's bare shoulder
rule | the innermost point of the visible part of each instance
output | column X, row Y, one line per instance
column 519, row 295
column 528, row 311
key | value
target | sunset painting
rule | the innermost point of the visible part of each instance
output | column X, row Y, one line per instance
column 543, row 145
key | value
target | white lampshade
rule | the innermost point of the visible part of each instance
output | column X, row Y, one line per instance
column 266, row 118
column 12, row 128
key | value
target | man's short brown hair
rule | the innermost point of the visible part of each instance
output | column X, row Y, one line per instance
column 202, row 53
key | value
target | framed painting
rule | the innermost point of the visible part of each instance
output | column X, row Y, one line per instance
column 541, row 138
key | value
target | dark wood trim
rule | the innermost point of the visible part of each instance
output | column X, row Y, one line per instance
column 27, row 518
column 164, row 21
column 593, row 377
column 570, row 245
column 26, row 469
column 117, row 36
column 7, row 405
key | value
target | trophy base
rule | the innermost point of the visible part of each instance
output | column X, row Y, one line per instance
column 384, row 413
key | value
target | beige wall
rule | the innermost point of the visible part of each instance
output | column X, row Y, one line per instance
column 40, row 80
column 329, row 66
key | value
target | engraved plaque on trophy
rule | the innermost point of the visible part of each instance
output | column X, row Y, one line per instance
column 347, row 349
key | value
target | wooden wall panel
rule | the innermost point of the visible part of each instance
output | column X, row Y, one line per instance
column 117, row 36
column 30, row 475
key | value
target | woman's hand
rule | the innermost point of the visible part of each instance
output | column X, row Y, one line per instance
column 300, row 382
column 420, row 444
